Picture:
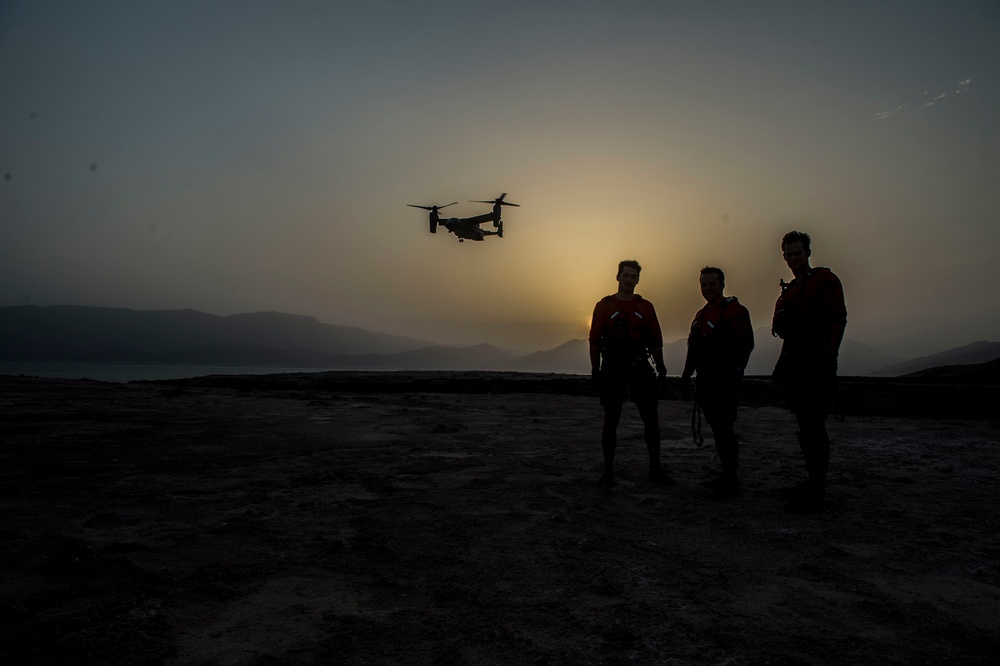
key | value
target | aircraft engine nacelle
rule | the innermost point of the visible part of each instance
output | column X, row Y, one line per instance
column 434, row 226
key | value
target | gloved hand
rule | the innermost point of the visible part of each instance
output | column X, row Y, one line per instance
column 595, row 381
column 661, row 377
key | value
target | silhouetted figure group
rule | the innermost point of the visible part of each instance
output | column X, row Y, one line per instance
column 626, row 356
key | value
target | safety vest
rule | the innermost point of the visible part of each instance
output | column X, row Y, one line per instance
column 625, row 331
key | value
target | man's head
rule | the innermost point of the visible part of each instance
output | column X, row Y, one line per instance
column 713, row 281
column 630, row 263
column 628, row 275
column 795, row 249
column 797, row 237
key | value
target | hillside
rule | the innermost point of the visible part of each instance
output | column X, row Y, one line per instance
column 981, row 351
column 68, row 333
column 978, row 373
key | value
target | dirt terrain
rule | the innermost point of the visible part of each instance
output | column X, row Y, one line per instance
column 407, row 518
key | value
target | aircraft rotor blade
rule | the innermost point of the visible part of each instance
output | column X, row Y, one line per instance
column 498, row 200
column 433, row 207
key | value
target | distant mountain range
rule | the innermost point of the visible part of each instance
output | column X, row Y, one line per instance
column 979, row 373
column 118, row 335
column 971, row 354
column 78, row 332
column 856, row 358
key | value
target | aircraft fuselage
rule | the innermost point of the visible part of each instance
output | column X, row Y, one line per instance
column 468, row 227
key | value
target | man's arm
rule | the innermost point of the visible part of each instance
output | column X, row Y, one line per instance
column 744, row 338
column 596, row 329
column 834, row 297
column 655, row 342
column 661, row 367
column 688, row 361
column 836, row 337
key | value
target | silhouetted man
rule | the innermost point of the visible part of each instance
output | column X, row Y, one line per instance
column 624, row 335
column 719, row 347
column 810, row 317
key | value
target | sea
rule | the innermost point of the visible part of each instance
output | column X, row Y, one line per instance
column 111, row 372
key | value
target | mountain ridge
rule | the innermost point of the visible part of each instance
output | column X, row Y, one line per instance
column 980, row 351
column 35, row 332
column 70, row 333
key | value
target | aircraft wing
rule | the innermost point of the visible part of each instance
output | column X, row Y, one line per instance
column 479, row 219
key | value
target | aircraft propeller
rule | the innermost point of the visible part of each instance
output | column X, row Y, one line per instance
column 433, row 208
column 498, row 201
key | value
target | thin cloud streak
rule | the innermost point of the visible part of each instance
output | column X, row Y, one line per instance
column 962, row 87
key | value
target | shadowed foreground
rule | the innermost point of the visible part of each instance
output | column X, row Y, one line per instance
column 291, row 521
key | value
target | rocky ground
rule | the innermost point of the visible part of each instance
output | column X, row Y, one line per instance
column 455, row 518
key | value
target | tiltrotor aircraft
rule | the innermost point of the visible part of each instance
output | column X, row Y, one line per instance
column 468, row 227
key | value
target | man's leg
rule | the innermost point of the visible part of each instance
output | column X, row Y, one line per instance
column 648, row 412
column 728, row 447
column 801, row 489
column 718, row 401
column 809, row 398
column 815, row 444
column 609, row 439
column 816, row 447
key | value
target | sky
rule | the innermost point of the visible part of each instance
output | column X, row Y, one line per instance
column 254, row 156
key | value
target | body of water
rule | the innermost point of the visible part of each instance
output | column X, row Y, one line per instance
column 111, row 372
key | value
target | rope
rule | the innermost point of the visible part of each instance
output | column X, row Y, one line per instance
column 696, row 424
